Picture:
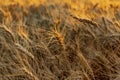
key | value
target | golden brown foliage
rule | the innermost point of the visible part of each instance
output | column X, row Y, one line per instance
column 59, row 40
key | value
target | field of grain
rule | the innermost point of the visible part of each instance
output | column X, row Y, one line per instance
column 59, row 39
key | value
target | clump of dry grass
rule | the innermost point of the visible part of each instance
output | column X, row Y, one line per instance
column 45, row 42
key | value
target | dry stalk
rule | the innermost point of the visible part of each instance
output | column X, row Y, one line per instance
column 19, row 47
column 85, row 21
